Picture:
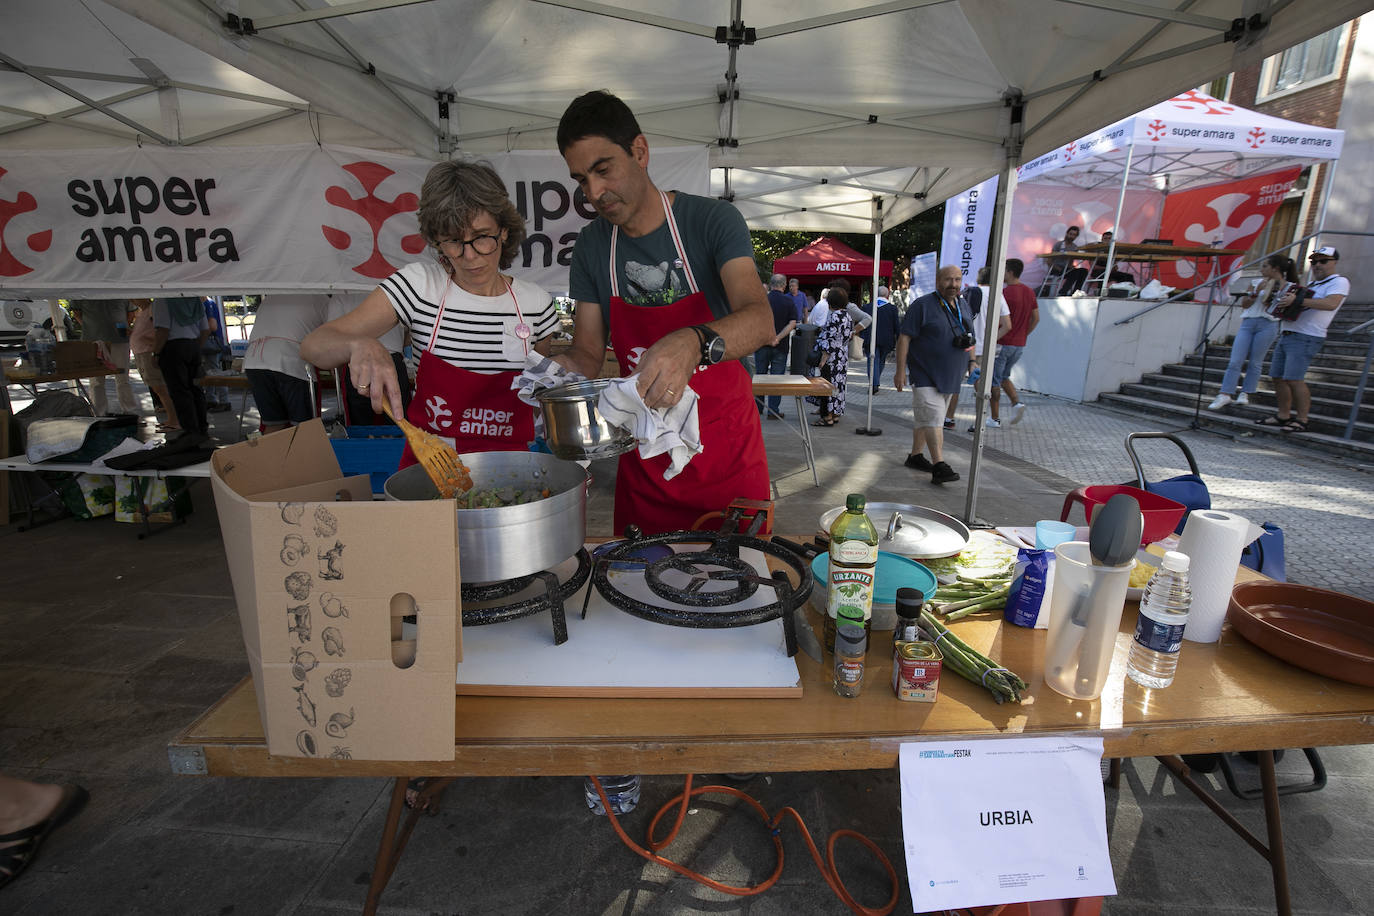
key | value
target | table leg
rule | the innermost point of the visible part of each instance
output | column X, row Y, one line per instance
column 1278, row 861
column 1273, row 853
column 805, row 429
column 394, row 840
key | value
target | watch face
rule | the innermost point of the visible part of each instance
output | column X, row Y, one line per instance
column 715, row 350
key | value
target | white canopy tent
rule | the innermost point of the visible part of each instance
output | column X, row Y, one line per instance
column 907, row 101
column 888, row 107
column 1190, row 140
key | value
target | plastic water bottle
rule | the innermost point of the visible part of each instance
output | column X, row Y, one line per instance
column 1159, row 629
column 622, row 791
column 40, row 349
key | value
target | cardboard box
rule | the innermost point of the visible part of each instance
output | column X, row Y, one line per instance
column 322, row 575
column 75, row 355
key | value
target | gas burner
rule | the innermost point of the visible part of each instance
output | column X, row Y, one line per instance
column 718, row 563
column 550, row 598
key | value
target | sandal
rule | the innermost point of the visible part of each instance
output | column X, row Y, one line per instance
column 1294, row 426
column 16, row 857
column 826, row 421
column 1275, row 420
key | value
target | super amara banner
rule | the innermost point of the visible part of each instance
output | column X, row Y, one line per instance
column 968, row 222
column 158, row 221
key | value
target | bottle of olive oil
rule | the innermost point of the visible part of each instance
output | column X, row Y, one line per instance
column 853, row 565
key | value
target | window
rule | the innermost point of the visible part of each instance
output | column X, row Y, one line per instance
column 1219, row 88
column 1314, row 61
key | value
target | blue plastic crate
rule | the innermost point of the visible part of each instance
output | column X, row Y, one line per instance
column 371, row 450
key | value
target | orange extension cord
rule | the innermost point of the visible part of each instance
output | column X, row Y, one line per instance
column 827, row 868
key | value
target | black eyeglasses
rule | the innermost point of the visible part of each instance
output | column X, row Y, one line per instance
column 1321, row 260
column 482, row 244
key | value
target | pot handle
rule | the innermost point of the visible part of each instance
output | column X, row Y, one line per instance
column 893, row 524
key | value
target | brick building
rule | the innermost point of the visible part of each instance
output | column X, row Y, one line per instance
column 1310, row 83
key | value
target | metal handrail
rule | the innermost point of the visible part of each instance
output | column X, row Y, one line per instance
column 1230, row 273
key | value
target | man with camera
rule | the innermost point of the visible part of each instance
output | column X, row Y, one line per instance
column 932, row 346
column 1302, row 337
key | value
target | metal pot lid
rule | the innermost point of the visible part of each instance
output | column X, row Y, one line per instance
column 911, row 531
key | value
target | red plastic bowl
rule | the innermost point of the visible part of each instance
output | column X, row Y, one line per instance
column 1161, row 513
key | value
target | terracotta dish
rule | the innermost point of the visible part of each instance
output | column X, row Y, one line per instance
column 1321, row 631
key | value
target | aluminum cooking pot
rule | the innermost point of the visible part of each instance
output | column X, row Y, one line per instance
column 505, row 542
column 575, row 429
column 910, row 531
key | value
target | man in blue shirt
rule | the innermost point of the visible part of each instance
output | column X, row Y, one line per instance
column 888, row 324
column 932, row 346
column 771, row 358
column 803, row 303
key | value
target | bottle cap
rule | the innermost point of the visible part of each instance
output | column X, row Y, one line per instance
column 853, row 638
column 1176, row 561
column 854, row 502
column 909, row 601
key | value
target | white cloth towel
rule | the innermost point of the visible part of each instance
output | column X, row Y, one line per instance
column 541, row 373
column 674, row 430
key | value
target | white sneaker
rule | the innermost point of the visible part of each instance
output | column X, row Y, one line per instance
column 1018, row 413
column 992, row 423
column 1242, row 399
column 1219, row 402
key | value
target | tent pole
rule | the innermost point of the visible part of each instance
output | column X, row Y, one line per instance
column 1329, row 174
column 867, row 429
column 1116, row 225
column 1001, row 224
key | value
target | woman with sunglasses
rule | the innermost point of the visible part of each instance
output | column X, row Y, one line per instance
column 1258, row 328
column 472, row 325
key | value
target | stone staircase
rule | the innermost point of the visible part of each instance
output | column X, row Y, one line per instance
column 1172, row 392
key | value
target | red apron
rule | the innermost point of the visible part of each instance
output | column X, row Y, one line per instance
column 477, row 411
column 732, row 464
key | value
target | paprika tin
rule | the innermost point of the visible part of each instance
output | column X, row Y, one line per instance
column 916, row 672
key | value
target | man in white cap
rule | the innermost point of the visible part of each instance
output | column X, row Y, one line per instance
column 1301, row 339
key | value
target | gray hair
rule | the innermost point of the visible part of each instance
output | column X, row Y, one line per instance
column 883, row 292
column 456, row 193
column 777, row 281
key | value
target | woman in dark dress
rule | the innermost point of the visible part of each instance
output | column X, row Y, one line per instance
column 832, row 341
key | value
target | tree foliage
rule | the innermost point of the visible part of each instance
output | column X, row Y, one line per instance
column 916, row 236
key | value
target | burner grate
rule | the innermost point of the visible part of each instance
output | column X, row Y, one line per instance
column 718, row 563
column 550, row 598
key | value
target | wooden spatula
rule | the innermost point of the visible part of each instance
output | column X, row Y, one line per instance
column 439, row 459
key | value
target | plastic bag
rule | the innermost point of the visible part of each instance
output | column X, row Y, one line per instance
column 1029, row 587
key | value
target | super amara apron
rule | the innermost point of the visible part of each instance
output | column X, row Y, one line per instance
column 478, row 411
column 732, row 463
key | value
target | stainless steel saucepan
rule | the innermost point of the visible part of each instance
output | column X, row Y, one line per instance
column 575, row 429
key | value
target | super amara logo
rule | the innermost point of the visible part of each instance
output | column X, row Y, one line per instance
column 941, row 754
column 140, row 196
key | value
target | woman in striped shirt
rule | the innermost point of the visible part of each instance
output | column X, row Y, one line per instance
column 472, row 325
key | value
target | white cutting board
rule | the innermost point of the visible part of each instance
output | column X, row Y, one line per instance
column 613, row 653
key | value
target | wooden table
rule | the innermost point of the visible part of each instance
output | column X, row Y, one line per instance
column 31, row 382
column 798, row 387
column 1139, row 253
column 1227, row 696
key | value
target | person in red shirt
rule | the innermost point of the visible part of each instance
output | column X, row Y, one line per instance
column 1025, row 315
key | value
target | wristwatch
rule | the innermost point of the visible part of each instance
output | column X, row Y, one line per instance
column 712, row 345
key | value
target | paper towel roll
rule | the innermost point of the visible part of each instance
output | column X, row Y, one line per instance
column 1213, row 542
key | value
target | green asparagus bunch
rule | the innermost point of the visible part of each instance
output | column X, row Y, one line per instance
column 970, row 664
column 968, row 595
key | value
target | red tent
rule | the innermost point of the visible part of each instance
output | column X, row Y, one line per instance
column 827, row 258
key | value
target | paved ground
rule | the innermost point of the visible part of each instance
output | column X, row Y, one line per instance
column 109, row 646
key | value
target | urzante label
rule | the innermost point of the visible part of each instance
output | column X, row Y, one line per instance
column 850, row 593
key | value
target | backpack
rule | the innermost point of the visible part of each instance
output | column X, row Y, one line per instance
column 974, row 297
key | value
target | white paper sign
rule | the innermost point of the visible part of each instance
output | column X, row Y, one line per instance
column 1005, row 820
